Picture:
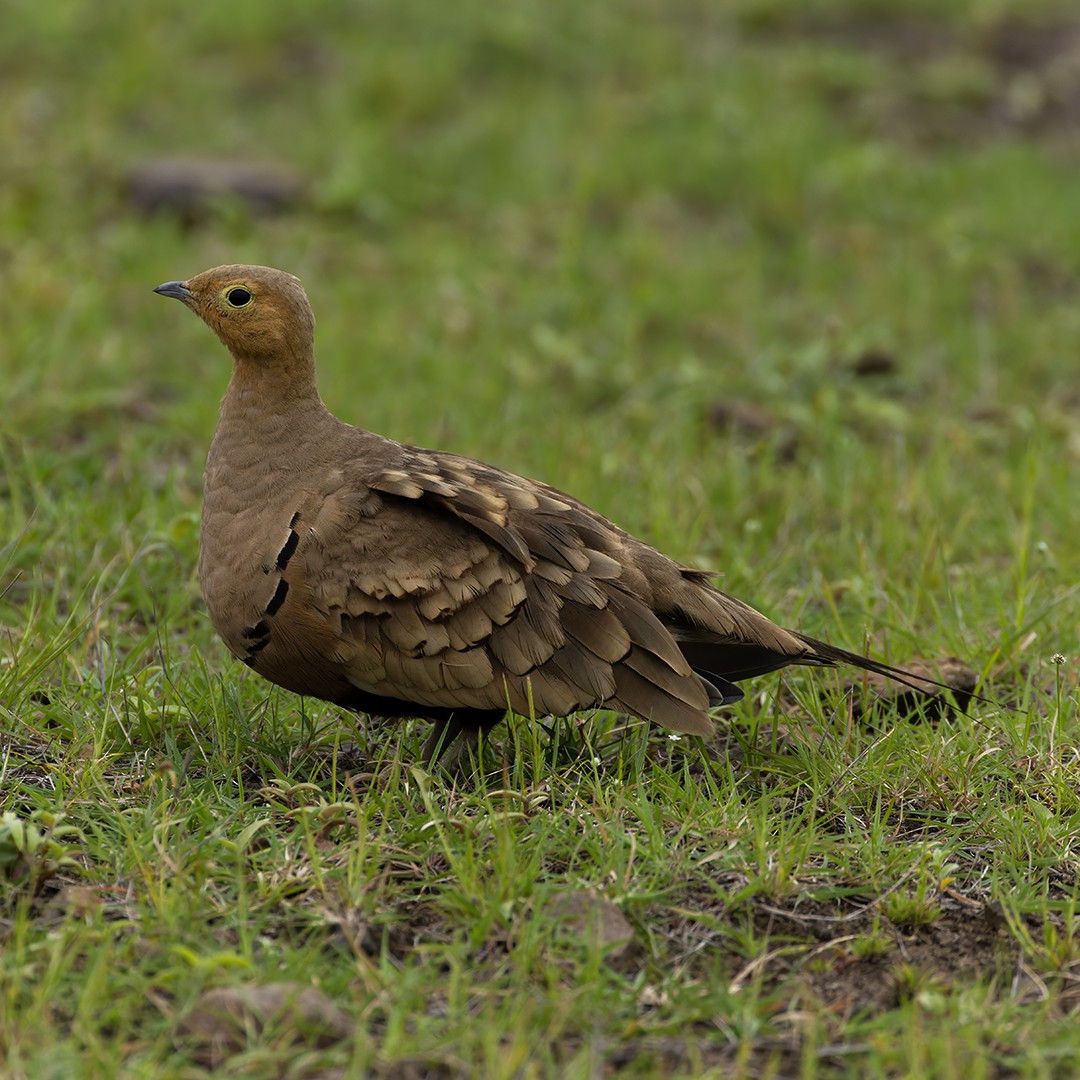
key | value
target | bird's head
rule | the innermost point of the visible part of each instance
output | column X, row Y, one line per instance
column 260, row 314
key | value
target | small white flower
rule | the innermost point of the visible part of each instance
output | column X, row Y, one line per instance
column 1057, row 658
column 596, row 761
column 673, row 737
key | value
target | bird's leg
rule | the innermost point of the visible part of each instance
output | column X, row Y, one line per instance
column 453, row 739
column 443, row 734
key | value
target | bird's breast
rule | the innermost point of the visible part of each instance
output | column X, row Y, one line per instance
column 249, row 538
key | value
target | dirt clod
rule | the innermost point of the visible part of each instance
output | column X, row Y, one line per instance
column 588, row 915
column 227, row 1018
column 188, row 187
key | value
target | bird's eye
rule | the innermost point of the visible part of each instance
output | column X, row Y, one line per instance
column 238, row 297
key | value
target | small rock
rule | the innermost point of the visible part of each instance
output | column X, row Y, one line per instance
column 872, row 362
column 420, row 1068
column 187, row 187
column 742, row 417
column 224, row 1019
column 748, row 420
column 934, row 701
column 586, row 914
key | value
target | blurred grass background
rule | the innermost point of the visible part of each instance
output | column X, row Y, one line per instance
column 563, row 238
column 787, row 289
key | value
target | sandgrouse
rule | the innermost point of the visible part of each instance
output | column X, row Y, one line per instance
column 408, row 582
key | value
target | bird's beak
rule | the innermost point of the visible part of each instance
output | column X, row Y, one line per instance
column 177, row 290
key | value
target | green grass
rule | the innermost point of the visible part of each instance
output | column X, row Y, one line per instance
column 556, row 237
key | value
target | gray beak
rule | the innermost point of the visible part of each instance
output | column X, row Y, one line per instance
column 176, row 289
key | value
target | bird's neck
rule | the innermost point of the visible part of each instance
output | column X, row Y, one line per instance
column 281, row 389
column 272, row 406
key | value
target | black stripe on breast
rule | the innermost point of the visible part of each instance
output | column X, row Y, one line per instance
column 286, row 553
column 278, row 598
column 259, row 637
column 259, row 630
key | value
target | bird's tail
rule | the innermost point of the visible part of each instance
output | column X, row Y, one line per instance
column 823, row 654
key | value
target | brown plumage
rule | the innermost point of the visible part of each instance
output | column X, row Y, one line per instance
column 409, row 582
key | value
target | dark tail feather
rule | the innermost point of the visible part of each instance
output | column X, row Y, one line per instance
column 720, row 691
column 829, row 655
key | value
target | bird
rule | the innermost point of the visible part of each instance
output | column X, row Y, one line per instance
column 404, row 582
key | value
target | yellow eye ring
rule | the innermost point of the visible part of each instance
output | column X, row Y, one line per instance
column 238, row 296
